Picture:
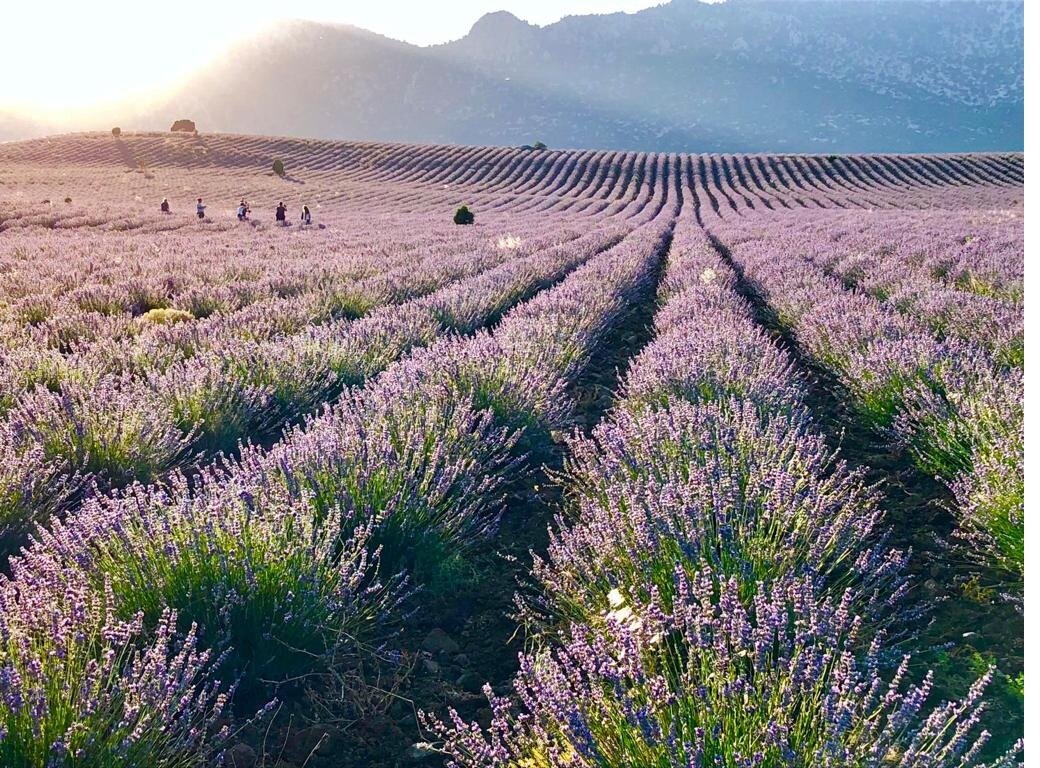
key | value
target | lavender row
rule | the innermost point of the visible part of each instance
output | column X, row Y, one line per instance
column 737, row 675
column 712, row 459
column 713, row 583
column 733, row 187
column 151, row 354
column 65, row 290
column 959, row 415
column 284, row 561
column 121, row 429
column 173, row 336
column 980, row 253
column 896, row 267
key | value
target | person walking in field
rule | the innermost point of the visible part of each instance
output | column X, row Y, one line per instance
column 243, row 211
column 305, row 216
column 164, row 206
column 200, row 209
column 279, row 214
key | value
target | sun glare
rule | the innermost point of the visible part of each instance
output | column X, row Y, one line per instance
column 85, row 58
column 71, row 61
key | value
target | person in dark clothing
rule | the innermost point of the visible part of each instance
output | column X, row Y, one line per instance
column 164, row 206
column 200, row 209
column 305, row 215
column 279, row 214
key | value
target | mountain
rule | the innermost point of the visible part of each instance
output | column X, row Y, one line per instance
column 743, row 75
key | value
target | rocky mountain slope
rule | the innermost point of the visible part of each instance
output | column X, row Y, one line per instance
column 744, row 75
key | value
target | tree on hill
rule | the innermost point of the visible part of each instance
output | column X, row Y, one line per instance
column 116, row 131
column 464, row 215
column 278, row 167
column 183, row 126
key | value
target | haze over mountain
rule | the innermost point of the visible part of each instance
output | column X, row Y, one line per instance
column 744, row 75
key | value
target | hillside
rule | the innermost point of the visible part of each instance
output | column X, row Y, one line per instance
column 123, row 178
column 745, row 75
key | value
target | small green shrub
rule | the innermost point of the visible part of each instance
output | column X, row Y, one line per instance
column 464, row 215
column 166, row 316
column 116, row 131
column 278, row 167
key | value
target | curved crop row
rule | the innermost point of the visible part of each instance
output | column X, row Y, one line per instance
column 355, row 176
column 960, row 415
column 284, row 560
column 718, row 580
column 120, row 429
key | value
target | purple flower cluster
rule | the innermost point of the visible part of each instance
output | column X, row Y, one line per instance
column 732, row 678
column 80, row 686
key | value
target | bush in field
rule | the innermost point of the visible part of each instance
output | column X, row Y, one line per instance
column 183, row 126
column 109, row 429
column 31, row 486
column 116, row 131
column 166, row 316
column 652, row 483
column 278, row 167
column 464, row 215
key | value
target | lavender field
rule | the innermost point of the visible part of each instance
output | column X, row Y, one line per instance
column 666, row 460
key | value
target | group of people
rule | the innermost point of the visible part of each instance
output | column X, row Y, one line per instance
column 244, row 211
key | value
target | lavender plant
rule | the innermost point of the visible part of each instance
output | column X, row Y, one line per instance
column 773, row 678
column 258, row 581
column 713, row 486
column 81, row 687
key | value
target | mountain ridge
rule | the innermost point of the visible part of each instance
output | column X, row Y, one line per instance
column 739, row 76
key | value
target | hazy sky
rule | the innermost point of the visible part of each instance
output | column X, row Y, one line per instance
column 62, row 56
